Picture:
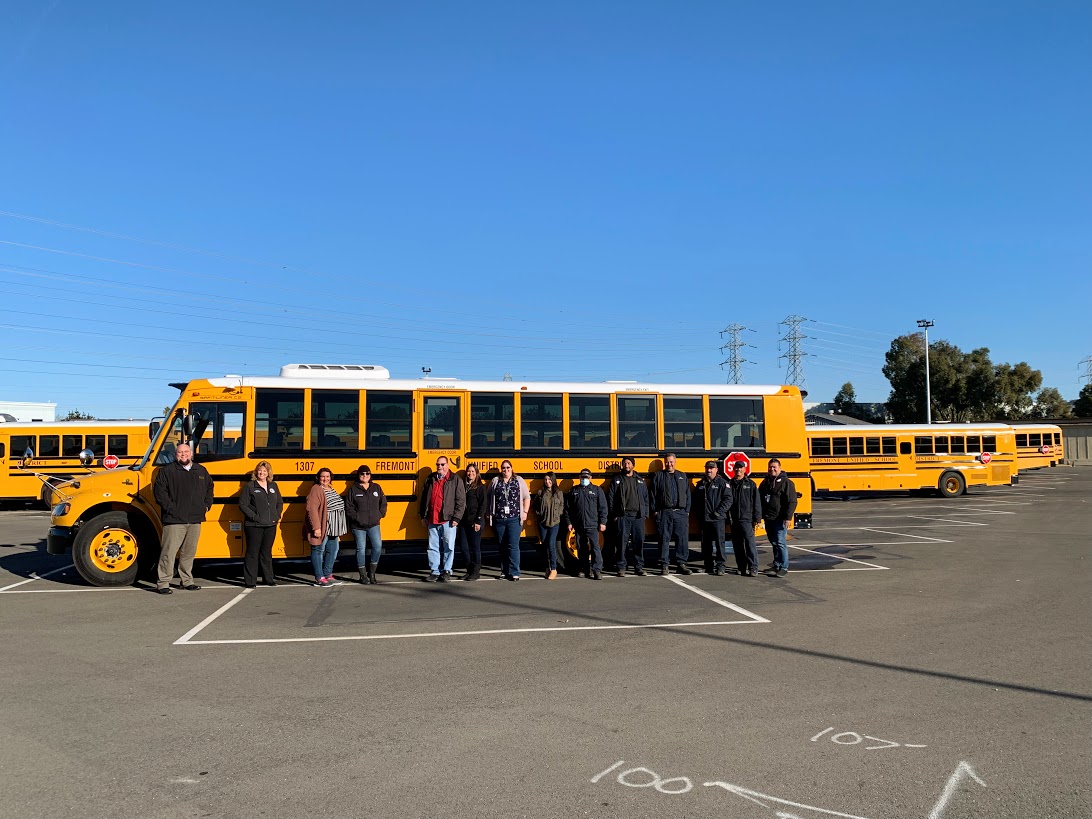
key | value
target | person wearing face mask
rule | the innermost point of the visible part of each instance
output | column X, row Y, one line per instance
column 627, row 504
column 442, row 505
column 586, row 514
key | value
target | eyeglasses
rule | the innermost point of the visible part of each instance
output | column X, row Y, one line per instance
column 506, row 469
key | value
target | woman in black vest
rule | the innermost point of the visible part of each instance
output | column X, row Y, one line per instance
column 261, row 504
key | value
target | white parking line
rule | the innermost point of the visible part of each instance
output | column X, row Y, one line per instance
column 949, row 520
column 717, row 600
column 871, row 566
column 187, row 638
column 919, row 537
column 35, row 576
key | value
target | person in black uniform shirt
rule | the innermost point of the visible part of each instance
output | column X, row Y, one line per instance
column 745, row 515
column 712, row 499
column 469, row 535
column 261, row 504
column 671, row 508
column 627, row 505
column 586, row 514
column 183, row 491
column 778, row 504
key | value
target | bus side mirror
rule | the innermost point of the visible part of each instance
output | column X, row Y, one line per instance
column 189, row 424
column 87, row 457
column 153, row 428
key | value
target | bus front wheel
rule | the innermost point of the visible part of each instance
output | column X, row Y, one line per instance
column 952, row 485
column 105, row 550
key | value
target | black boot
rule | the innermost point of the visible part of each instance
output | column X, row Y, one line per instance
column 371, row 573
column 473, row 572
column 363, row 575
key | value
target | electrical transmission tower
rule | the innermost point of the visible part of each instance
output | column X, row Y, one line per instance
column 1087, row 364
column 735, row 347
column 795, row 354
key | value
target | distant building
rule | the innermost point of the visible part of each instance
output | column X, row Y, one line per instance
column 832, row 419
column 27, row 411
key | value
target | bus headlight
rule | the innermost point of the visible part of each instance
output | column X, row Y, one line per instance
column 62, row 509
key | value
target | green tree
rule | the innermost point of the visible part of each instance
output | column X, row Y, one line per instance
column 904, row 368
column 1013, row 399
column 1050, row 404
column 1083, row 407
column 76, row 415
column 845, row 399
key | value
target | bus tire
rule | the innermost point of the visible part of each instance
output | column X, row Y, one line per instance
column 105, row 550
column 951, row 485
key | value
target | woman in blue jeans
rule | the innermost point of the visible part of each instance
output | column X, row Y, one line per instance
column 549, row 505
column 506, row 511
column 323, row 524
column 365, row 507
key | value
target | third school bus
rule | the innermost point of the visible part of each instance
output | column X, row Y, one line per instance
column 340, row 416
column 946, row 458
column 1038, row 445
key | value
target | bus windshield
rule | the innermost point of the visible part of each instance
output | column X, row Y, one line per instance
column 167, row 435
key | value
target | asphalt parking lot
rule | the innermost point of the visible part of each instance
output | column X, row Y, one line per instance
column 923, row 658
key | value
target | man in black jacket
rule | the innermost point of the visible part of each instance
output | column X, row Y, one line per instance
column 671, row 508
column 712, row 499
column 586, row 514
column 745, row 515
column 627, row 505
column 778, row 504
column 183, row 491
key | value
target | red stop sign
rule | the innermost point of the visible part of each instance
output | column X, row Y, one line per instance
column 730, row 462
column 985, row 457
column 111, row 462
column 1045, row 449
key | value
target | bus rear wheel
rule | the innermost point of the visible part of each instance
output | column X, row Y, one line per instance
column 105, row 550
column 951, row 485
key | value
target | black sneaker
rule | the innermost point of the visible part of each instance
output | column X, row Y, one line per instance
column 682, row 568
column 781, row 572
column 164, row 591
column 639, row 572
column 431, row 578
column 620, row 573
column 665, row 569
column 771, row 573
column 596, row 575
column 441, row 579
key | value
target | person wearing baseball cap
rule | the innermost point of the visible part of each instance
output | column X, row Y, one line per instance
column 586, row 514
column 712, row 498
column 744, row 515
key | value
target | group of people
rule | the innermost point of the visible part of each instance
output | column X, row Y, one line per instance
column 454, row 510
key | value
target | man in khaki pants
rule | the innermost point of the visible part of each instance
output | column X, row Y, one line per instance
column 183, row 491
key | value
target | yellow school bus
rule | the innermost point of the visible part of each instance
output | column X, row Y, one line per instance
column 1038, row 445
column 340, row 416
column 946, row 458
column 37, row 457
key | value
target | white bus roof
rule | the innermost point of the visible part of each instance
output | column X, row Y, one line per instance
column 31, row 426
column 876, row 429
column 332, row 381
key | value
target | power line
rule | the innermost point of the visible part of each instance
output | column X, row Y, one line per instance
column 735, row 347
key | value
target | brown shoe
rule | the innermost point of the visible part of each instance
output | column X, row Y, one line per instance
column 552, row 574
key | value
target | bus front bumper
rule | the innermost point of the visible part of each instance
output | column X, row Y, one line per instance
column 60, row 539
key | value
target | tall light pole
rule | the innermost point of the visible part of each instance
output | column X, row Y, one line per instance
column 925, row 324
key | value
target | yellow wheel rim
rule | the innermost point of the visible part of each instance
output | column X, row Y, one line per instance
column 951, row 485
column 113, row 550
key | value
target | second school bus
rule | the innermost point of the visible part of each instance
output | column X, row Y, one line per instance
column 1038, row 445
column 339, row 416
column 37, row 456
column 946, row 458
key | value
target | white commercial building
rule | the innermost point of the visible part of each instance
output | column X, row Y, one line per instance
column 27, row 411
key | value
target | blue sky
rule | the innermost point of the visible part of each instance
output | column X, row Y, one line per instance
column 583, row 190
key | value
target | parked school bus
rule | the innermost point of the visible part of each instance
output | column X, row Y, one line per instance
column 339, row 416
column 946, row 458
column 1038, row 445
column 36, row 457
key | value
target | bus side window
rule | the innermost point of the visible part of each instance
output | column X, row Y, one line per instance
column 1035, row 440
column 989, row 443
column 97, row 445
column 71, row 445
column 856, row 446
column 872, row 446
column 974, row 444
column 1022, row 439
column 119, row 445
column 941, row 445
column 958, row 445
column 904, row 448
column 889, row 445
column 49, row 446
column 820, row 447
column 839, row 446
